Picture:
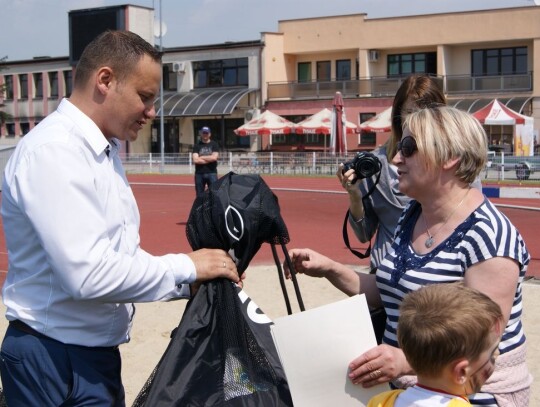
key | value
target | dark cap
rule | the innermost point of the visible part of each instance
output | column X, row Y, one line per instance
column 205, row 130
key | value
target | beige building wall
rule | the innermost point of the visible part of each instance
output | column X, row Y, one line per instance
column 456, row 33
column 452, row 36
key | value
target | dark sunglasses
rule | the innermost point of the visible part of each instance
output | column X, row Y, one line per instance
column 407, row 146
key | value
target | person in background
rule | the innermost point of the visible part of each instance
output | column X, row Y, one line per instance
column 375, row 203
column 205, row 157
column 71, row 225
column 380, row 211
column 449, row 232
column 450, row 335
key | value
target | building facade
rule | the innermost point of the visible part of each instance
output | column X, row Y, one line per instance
column 476, row 56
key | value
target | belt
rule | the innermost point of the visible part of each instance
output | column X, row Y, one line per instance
column 21, row 326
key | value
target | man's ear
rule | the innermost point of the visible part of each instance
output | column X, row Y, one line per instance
column 104, row 79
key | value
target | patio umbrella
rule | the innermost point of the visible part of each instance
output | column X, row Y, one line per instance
column 265, row 124
column 338, row 141
column 381, row 123
column 321, row 123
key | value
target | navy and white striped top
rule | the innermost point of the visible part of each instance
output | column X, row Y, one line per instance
column 485, row 234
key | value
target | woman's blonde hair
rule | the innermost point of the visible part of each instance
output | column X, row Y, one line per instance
column 443, row 133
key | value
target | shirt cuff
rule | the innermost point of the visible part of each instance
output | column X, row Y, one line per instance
column 182, row 267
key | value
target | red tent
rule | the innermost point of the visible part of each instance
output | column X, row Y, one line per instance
column 496, row 113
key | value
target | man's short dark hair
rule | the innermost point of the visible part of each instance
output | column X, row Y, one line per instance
column 120, row 50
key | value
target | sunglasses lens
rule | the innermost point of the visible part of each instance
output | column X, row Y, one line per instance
column 407, row 146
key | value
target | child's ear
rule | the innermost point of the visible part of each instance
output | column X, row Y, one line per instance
column 460, row 371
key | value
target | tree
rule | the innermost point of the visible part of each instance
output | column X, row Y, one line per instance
column 3, row 115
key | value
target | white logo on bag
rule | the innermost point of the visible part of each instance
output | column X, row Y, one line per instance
column 252, row 308
column 231, row 213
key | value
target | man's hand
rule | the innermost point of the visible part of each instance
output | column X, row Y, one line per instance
column 214, row 263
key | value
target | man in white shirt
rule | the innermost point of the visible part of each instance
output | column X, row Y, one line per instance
column 72, row 233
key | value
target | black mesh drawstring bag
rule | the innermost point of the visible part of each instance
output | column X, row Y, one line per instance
column 222, row 352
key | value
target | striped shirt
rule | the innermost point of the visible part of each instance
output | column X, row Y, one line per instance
column 485, row 234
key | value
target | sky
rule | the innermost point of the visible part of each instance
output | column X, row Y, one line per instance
column 33, row 28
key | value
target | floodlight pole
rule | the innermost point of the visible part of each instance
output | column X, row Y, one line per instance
column 161, row 118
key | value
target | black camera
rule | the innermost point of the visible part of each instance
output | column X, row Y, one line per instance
column 364, row 164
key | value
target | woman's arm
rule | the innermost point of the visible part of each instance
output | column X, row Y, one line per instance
column 497, row 278
column 344, row 278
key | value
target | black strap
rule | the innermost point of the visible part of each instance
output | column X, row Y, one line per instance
column 282, row 280
column 345, row 221
column 346, row 239
column 293, row 277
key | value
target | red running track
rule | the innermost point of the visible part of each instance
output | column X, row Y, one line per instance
column 313, row 209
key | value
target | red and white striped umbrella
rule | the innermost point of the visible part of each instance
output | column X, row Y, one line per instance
column 267, row 123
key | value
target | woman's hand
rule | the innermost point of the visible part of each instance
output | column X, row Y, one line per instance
column 381, row 364
column 347, row 180
column 308, row 262
column 356, row 205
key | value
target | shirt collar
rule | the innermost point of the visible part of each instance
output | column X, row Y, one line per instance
column 88, row 129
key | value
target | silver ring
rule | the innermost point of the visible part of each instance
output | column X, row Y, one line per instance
column 349, row 183
column 224, row 265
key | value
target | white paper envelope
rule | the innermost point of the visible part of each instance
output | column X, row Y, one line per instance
column 316, row 347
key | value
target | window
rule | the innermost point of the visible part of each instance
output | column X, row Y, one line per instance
column 323, row 71
column 8, row 86
column 68, row 82
column 343, row 70
column 406, row 64
column 10, row 128
column 368, row 138
column 23, row 83
column 169, row 78
column 314, row 139
column 304, row 72
column 499, row 61
column 53, row 84
column 25, row 128
column 366, row 116
column 38, row 85
column 223, row 72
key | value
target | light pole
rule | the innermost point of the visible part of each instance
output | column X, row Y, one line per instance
column 161, row 118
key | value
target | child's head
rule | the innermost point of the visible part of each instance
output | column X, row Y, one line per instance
column 444, row 326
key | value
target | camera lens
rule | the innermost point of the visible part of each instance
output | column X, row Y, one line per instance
column 367, row 167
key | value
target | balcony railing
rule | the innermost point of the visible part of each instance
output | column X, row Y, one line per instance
column 456, row 84
column 387, row 86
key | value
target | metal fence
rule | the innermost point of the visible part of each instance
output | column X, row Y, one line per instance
column 500, row 166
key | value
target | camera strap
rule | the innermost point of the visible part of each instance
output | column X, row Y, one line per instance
column 345, row 232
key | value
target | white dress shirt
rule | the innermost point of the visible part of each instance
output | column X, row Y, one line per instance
column 72, row 233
